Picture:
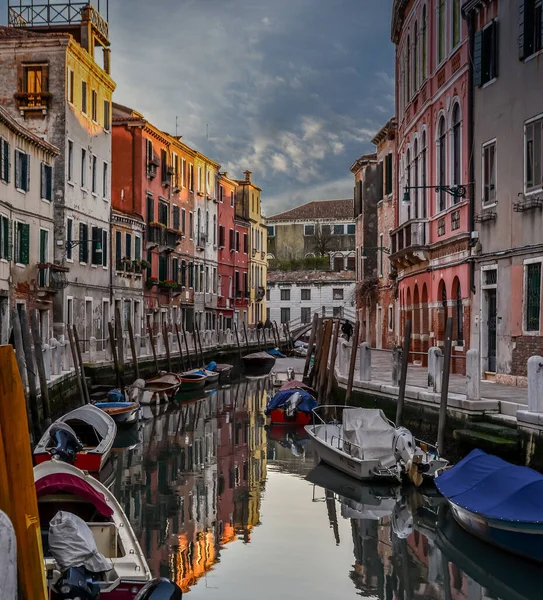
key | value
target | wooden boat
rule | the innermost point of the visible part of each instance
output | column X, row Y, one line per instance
column 291, row 407
column 123, row 413
column 498, row 502
column 224, row 370
column 95, row 430
column 259, row 362
column 165, row 383
column 211, row 376
column 64, row 487
column 192, row 381
column 363, row 443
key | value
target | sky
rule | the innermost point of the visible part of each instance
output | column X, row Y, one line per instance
column 293, row 90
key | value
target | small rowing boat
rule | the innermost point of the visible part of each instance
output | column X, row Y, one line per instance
column 123, row 413
column 259, row 362
column 192, row 381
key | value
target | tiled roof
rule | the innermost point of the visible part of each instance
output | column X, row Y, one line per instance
column 318, row 209
column 21, row 32
column 309, row 276
column 17, row 128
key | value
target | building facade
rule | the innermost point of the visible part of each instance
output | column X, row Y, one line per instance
column 28, row 275
column 431, row 243
column 507, row 82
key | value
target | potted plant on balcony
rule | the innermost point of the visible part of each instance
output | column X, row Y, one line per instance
column 157, row 224
column 145, row 264
column 151, row 281
column 169, row 284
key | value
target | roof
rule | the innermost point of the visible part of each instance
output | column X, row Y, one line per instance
column 365, row 159
column 14, row 33
column 317, row 209
column 398, row 15
column 311, row 276
column 388, row 127
column 12, row 124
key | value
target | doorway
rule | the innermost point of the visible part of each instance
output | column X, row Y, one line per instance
column 492, row 314
column 379, row 328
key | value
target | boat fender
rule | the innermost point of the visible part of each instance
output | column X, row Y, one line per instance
column 160, row 589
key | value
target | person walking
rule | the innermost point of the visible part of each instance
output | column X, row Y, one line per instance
column 347, row 330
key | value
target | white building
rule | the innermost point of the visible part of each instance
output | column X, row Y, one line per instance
column 294, row 296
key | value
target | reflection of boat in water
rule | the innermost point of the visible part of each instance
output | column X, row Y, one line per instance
column 127, row 439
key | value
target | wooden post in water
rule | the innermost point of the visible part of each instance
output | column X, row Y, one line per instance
column 114, row 353
column 403, row 372
column 275, row 336
column 120, row 346
column 311, row 344
column 264, row 334
column 333, row 358
column 290, row 343
column 200, row 345
column 167, row 346
column 133, row 350
column 38, row 355
column 318, row 347
column 75, row 361
column 152, row 342
column 17, row 490
column 181, row 359
column 445, row 386
column 352, row 364
column 189, row 359
column 246, row 338
column 258, row 338
column 237, row 340
column 81, row 367
column 324, row 360
column 32, row 390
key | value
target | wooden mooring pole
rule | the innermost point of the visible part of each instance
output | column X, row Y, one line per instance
column 200, row 345
column 311, row 344
column 258, row 338
column 181, row 358
column 333, row 358
column 38, row 355
column 403, row 373
column 152, row 342
column 189, row 359
column 445, row 386
column 133, row 350
column 352, row 364
column 167, row 346
column 120, row 346
column 237, row 340
column 31, row 374
column 318, row 353
column 324, row 360
column 82, row 368
column 246, row 338
column 114, row 353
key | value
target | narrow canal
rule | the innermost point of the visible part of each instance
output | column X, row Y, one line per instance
column 232, row 511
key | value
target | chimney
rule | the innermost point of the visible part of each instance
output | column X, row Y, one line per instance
column 248, row 176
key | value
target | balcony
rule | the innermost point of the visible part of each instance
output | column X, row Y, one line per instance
column 262, row 255
column 52, row 278
column 260, row 293
column 242, row 299
column 410, row 243
column 165, row 238
column 33, row 101
column 201, row 241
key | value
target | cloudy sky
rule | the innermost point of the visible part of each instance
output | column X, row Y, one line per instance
column 291, row 89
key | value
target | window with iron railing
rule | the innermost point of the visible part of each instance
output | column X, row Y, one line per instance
column 533, row 296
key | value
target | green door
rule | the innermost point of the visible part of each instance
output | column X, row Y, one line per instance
column 44, row 258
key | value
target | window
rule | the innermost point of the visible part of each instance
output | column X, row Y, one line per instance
column 306, row 315
column 183, row 170
column 191, row 225
column 534, row 155
column 381, row 257
column 459, row 317
column 70, row 160
column 96, row 246
column 165, row 178
column 137, row 248
column 83, row 167
column 175, row 270
column 5, row 238
column 271, row 230
column 416, row 178
column 309, row 229
column 200, row 179
column 150, row 209
column 118, row 250
column 388, row 174
column 424, row 34
column 104, row 248
column 107, row 115
column 531, row 28
column 455, row 220
column 285, row 315
column 105, row 180
column 338, row 263
column 22, row 243
column 415, row 57
column 183, row 273
column 149, row 152
column 306, row 294
column 83, row 243
column 423, row 174
column 486, row 48
column 84, row 98
column 351, row 263
column 191, row 177
column 456, row 22
column 183, row 221
column 232, row 240
column 441, row 227
column 533, row 296
column 22, row 171
column 391, row 317
column 128, row 247
column 456, row 147
column 339, row 229
column 5, row 159
column 94, row 106
column 232, row 199
column 94, row 174
column 489, row 173
column 46, row 183
column 408, row 68
column 221, row 236
column 285, row 295
column 163, row 213
column 69, row 238
column 176, row 217
column 175, row 171
column 442, row 163
column 245, row 243
column 337, row 294
column 162, row 267
column 221, row 194
column 70, row 86
column 237, row 241
column 441, row 30
column 35, row 79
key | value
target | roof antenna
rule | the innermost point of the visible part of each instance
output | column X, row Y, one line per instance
column 176, row 118
column 207, row 131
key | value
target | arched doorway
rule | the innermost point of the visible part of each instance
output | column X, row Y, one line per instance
column 425, row 324
column 409, row 314
column 442, row 312
column 416, row 324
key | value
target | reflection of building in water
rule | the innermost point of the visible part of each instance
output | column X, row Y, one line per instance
column 256, row 399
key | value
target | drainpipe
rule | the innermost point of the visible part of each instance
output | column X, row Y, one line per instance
column 471, row 33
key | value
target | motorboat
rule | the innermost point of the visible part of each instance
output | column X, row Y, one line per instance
column 290, row 407
column 259, row 362
column 95, row 431
column 86, row 536
column 123, row 413
column 363, row 443
column 497, row 502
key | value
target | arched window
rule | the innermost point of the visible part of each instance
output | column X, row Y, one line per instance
column 442, row 162
column 416, row 179
column 459, row 317
column 214, row 230
column 199, row 222
column 424, row 40
column 456, row 146
column 441, row 30
column 457, row 20
column 423, row 175
column 207, row 224
column 408, row 180
column 416, row 57
column 408, row 68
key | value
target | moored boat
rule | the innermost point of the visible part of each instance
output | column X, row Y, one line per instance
column 211, row 376
column 156, row 389
column 123, row 413
column 259, row 362
column 498, row 502
column 363, row 443
column 192, row 381
column 224, row 370
column 290, row 407
column 67, row 496
column 95, row 431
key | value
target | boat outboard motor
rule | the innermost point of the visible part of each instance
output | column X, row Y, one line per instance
column 402, row 520
column 160, row 589
column 290, row 374
column 292, row 404
column 67, row 442
column 75, row 583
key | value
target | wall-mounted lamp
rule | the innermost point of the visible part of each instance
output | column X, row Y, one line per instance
column 456, row 191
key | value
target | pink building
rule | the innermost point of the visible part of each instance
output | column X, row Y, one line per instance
column 430, row 245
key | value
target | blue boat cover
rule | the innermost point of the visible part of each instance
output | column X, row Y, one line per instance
column 306, row 405
column 115, row 396
column 276, row 353
column 211, row 366
column 492, row 487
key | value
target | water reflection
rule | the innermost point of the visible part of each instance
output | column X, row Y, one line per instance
column 198, row 477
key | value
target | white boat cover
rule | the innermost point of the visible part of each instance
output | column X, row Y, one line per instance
column 72, row 544
column 368, row 435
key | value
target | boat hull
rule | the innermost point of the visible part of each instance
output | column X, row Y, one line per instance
column 523, row 539
column 122, row 415
column 86, row 461
column 224, row 371
column 192, row 381
column 278, row 417
column 260, row 363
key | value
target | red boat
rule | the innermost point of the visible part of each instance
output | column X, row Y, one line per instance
column 291, row 406
column 277, row 417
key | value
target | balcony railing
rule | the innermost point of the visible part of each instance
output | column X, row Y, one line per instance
column 52, row 277
column 409, row 240
column 260, row 293
column 201, row 241
column 157, row 235
column 33, row 100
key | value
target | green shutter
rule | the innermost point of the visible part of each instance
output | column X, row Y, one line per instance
column 43, row 183
column 3, row 159
column 17, row 169
column 478, row 59
column 83, row 243
column 10, row 239
column 104, row 248
column 26, row 179
column 137, row 248
column 496, row 46
column 96, row 259
column 25, row 243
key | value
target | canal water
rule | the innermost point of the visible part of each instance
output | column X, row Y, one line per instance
column 230, row 510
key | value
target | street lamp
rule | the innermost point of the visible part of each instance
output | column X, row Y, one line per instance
column 456, row 191
column 70, row 244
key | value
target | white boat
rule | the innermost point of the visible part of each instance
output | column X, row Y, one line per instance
column 211, row 376
column 95, row 430
column 367, row 446
column 63, row 487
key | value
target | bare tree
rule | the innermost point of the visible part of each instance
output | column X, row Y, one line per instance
column 322, row 240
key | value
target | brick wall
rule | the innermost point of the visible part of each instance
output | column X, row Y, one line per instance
column 524, row 347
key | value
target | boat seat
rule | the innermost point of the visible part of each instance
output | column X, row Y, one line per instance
column 105, row 536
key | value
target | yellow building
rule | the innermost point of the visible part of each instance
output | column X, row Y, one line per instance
column 248, row 206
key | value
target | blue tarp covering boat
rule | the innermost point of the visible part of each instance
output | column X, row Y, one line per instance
column 276, row 353
column 306, row 405
column 489, row 486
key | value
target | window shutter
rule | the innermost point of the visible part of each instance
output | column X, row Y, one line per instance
column 50, row 183
column 17, row 170
column 82, row 245
column 8, row 156
column 380, row 180
column 96, row 237
column 27, row 168
column 478, row 59
column 137, row 248
column 496, row 46
column 25, row 243
column 521, row 49
column 3, row 159
column 43, row 182
column 104, row 248
column 9, row 235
